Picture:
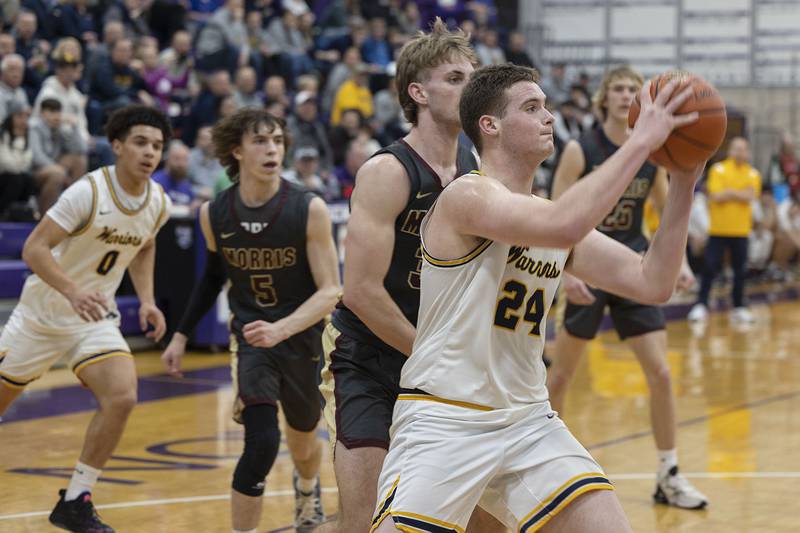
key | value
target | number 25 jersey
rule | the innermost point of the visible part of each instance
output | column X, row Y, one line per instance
column 481, row 327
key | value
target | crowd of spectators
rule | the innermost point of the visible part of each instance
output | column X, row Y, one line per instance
column 326, row 66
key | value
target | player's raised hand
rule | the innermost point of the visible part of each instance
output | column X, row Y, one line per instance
column 657, row 116
column 171, row 358
column 91, row 306
column 263, row 334
column 150, row 314
column 577, row 291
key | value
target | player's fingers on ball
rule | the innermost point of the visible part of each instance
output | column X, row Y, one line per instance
column 644, row 94
column 664, row 94
column 688, row 118
column 679, row 99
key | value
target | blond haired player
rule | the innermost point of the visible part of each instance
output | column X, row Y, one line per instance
column 642, row 326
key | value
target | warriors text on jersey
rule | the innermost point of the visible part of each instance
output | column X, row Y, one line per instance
column 624, row 222
column 264, row 252
column 402, row 281
column 106, row 229
column 481, row 327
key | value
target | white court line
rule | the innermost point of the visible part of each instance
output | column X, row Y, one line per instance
column 216, row 497
column 147, row 503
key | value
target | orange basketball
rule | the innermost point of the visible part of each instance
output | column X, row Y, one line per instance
column 696, row 142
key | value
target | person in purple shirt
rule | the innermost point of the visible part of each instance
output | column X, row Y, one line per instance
column 174, row 177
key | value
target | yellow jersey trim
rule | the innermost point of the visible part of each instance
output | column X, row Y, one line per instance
column 125, row 210
column 163, row 207
column 456, row 262
column 89, row 222
column 14, row 383
column 376, row 522
column 96, row 358
column 605, row 485
column 423, row 518
column 427, row 398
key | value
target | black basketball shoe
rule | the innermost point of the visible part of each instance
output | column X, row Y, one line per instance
column 78, row 515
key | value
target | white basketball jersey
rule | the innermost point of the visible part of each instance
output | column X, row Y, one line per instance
column 481, row 327
column 96, row 255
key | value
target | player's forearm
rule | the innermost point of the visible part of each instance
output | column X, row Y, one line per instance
column 317, row 307
column 663, row 260
column 382, row 316
column 41, row 261
column 141, row 273
column 584, row 205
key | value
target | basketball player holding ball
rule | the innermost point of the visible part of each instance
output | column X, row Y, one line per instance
column 641, row 326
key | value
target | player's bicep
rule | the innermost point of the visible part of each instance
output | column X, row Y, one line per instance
column 607, row 264
column 47, row 233
column 570, row 168
column 320, row 248
column 381, row 193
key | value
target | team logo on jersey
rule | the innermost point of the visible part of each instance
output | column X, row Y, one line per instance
column 113, row 236
column 413, row 221
column 255, row 227
column 542, row 269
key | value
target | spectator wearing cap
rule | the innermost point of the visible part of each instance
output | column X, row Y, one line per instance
column 174, row 177
column 12, row 69
column 307, row 130
column 305, row 172
column 62, row 87
column 58, row 153
column 16, row 158
column 353, row 94
column 204, row 167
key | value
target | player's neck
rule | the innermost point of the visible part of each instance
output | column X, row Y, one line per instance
column 255, row 192
column 437, row 144
column 617, row 131
column 130, row 185
column 510, row 171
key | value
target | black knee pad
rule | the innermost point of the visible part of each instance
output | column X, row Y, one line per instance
column 262, row 438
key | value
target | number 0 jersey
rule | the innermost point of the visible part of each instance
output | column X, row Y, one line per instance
column 624, row 222
column 105, row 234
column 481, row 327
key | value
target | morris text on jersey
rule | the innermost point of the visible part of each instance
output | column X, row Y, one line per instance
column 260, row 258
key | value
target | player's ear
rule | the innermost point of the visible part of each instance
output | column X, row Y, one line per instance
column 116, row 146
column 237, row 153
column 417, row 93
column 488, row 125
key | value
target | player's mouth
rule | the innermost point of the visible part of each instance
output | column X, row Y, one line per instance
column 270, row 165
column 148, row 167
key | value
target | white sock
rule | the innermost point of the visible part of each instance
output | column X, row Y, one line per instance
column 306, row 485
column 244, row 530
column 666, row 460
column 83, row 479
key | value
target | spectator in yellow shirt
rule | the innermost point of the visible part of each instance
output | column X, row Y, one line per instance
column 353, row 94
column 732, row 186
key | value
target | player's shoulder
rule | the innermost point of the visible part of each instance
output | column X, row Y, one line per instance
column 471, row 183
